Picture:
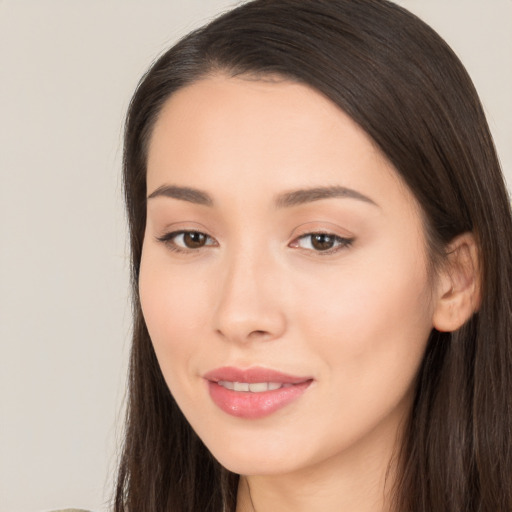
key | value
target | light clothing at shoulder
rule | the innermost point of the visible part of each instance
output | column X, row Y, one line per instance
column 71, row 510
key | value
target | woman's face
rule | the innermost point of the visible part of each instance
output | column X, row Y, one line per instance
column 283, row 278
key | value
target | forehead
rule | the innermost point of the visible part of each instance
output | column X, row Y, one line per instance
column 261, row 134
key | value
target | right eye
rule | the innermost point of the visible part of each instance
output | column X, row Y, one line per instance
column 183, row 241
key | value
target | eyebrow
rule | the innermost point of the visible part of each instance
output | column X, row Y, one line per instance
column 284, row 200
column 308, row 195
column 192, row 195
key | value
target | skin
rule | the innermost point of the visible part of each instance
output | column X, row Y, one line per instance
column 355, row 319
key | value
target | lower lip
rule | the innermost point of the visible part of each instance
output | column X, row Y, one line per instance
column 244, row 404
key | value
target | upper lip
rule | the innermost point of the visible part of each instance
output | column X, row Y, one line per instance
column 252, row 375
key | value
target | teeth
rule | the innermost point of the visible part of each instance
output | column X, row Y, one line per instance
column 226, row 384
column 253, row 387
column 258, row 387
column 241, row 386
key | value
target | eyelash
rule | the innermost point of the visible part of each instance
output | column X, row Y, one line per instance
column 340, row 242
column 169, row 240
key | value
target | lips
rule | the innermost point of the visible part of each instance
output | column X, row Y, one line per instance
column 254, row 392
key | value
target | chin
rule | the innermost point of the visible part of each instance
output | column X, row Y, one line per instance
column 257, row 455
column 249, row 464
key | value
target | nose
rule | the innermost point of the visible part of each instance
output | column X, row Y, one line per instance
column 249, row 301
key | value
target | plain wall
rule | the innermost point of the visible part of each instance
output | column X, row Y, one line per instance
column 67, row 71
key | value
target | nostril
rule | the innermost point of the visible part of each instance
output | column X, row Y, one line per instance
column 259, row 333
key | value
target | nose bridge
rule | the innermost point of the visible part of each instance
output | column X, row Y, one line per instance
column 249, row 305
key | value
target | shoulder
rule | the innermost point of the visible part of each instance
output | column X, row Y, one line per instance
column 70, row 510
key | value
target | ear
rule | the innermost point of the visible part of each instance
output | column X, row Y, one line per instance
column 458, row 285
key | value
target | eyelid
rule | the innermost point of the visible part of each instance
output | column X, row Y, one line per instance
column 323, row 227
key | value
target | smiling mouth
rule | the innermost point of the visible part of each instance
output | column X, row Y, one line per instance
column 230, row 375
column 253, row 387
column 254, row 393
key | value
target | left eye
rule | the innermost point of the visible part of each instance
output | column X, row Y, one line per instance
column 183, row 240
column 321, row 242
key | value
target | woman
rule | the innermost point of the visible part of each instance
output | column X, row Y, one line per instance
column 322, row 248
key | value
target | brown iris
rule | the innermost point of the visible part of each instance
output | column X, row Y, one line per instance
column 194, row 240
column 322, row 241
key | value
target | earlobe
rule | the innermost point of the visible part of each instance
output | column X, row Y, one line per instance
column 459, row 284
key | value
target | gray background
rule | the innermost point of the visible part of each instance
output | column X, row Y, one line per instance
column 67, row 71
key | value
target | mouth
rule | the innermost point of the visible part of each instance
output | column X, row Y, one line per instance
column 255, row 392
column 252, row 387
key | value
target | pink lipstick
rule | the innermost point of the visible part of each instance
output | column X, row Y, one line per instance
column 254, row 392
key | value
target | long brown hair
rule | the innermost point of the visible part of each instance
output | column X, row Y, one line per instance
column 405, row 87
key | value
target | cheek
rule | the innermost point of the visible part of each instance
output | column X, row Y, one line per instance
column 368, row 333
column 174, row 308
column 385, row 309
column 386, row 290
column 370, row 324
